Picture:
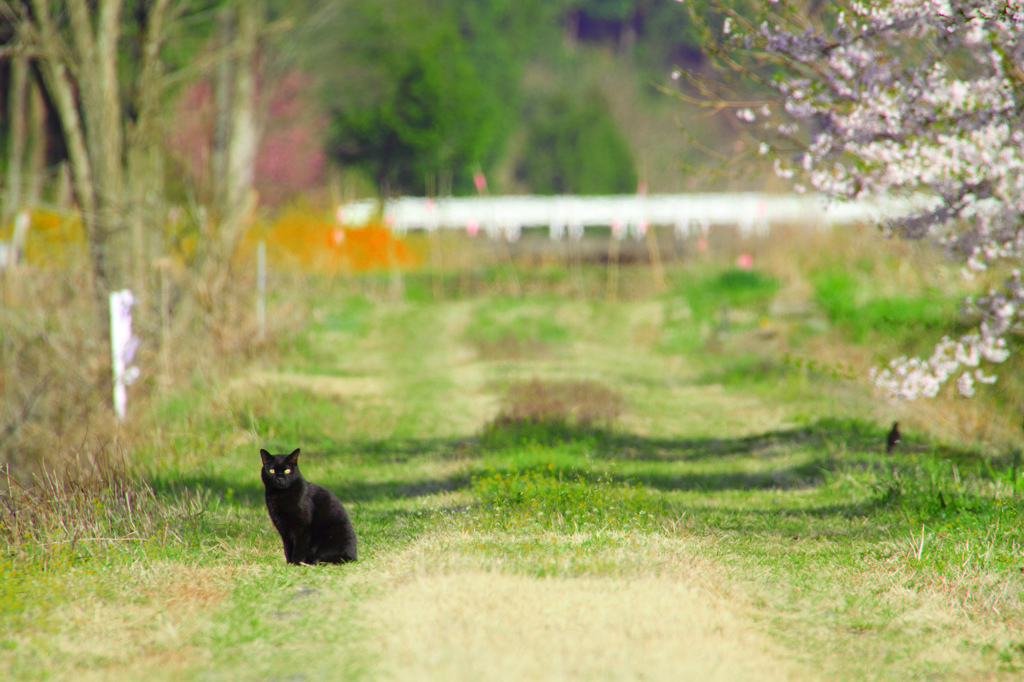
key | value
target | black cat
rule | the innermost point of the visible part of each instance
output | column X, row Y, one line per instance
column 310, row 519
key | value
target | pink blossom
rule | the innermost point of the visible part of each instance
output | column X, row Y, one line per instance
column 884, row 119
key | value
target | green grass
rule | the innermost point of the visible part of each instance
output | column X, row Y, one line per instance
column 702, row 301
column 822, row 529
column 863, row 316
column 736, row 288
column 515, row 328
column 767, row 479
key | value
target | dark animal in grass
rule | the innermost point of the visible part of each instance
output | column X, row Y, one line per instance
column 893, row 437
column 311, row 521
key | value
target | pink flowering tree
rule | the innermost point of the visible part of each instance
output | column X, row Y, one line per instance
column 901, row 98
column 290, row 160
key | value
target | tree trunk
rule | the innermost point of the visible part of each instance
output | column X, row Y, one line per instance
column 16, row 142
column 37, row 137
column 223, row 90
column 114, row 162
column 244, row 136
column 144, row 159
column 234, row 158
column 97, row 206
column 239, row 199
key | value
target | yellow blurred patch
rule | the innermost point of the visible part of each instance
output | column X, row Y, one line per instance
column 299, row 237
column 52, row 238
column 306, row 238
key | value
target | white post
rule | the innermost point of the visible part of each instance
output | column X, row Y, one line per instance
column 261, row 287
column 122, row 348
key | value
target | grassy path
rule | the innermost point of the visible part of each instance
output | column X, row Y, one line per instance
column 722, row 530
column 441, row 609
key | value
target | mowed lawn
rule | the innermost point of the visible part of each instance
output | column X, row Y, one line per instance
column 544, row 487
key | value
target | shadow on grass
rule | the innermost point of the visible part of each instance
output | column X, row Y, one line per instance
column 805, row 475
column 250, row 492
column 832, row 444
column 833, row 435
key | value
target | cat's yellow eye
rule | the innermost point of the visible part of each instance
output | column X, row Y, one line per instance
column 270, row 470
column 287, row 471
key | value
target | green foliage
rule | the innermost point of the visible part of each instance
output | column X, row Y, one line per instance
column 573, row 146
column 849, row 303
column 424, row 113
column 501, row 37
column 421, row 93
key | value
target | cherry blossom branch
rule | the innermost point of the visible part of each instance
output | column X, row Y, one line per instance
column 911, row 98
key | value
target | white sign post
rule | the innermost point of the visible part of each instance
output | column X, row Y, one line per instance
column 122, row 348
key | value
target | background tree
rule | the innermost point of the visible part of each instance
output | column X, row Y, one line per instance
column 404, row 97
column 575, row 148
column 103, row 71
column 23, row 127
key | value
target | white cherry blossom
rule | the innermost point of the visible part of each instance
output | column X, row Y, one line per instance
column 914, row 98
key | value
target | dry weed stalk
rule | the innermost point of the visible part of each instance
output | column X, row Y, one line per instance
column 94, row 497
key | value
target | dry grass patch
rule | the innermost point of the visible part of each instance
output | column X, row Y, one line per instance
column 94, row 498
column 511, row 347
column 451, row 610
column 585, row 403
column 332, row 386
column 132, row 622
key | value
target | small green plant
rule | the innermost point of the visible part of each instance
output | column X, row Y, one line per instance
column 553, row 498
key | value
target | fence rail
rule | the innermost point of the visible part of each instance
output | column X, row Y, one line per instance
column 751, row 212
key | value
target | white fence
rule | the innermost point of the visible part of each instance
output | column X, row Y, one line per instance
column 752, row 213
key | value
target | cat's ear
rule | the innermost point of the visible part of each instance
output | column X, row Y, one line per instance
column 293, row 458
column 265, row 456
